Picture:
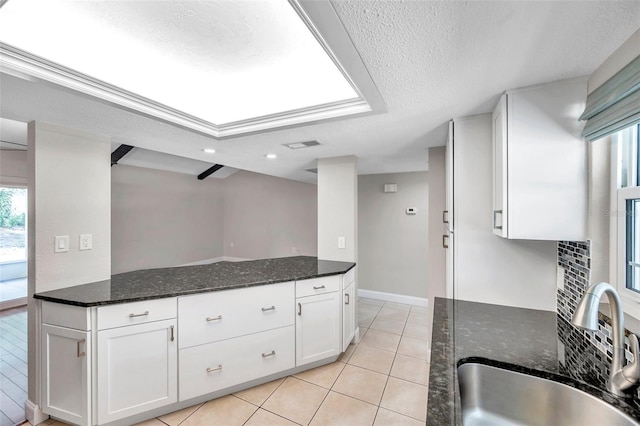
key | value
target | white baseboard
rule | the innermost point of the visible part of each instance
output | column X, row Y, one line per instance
column 216, row 260
column 393, row 297
column 33, row 413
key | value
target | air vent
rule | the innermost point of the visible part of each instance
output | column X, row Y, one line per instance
column 300, row 145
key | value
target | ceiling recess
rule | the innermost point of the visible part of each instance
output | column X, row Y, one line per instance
column 300, row 145
column 218, row 67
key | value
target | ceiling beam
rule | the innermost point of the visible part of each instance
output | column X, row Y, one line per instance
column 211, row 170
column 120, row 152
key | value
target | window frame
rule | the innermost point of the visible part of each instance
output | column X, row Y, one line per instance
column 618, row 217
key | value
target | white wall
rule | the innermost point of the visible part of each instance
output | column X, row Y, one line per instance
column 13, row 167
column 69, row 194
column 627, row 52
column 392, row 246
column 436, row 284
column 599, row 207
column 163, row 219
column 488, row 268
column 266, row 216
column 338, row 208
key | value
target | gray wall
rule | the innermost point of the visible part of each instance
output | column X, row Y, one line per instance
column 392, row 246
column 436, row 284
column 13, row 167
column 163, row 219
column 266, row 216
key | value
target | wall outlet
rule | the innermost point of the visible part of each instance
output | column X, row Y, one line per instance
column 560, row 277
column 61, row 244
column 342, row 243
column 86, row 241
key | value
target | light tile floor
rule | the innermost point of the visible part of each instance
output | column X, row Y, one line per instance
column 381, row 381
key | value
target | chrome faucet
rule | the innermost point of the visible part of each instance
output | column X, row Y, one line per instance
column 623, row 377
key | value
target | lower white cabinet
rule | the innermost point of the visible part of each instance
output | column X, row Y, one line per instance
column 66, row 374
column 215, row 366
column 128, row 354
column 137, row 369
column 348, row 315
column 318, row 327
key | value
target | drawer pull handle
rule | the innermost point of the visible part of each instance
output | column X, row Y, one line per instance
column 145, row 313
column 272, row 353
column 211, row 370
column 172, row 335
column 219, row 317
column 496, row 213
column 318, row 288
column 299, row 308
column 272, row 308
column 346, row 302
column 79, row 351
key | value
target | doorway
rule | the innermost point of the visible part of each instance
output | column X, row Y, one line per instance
column 13, row 247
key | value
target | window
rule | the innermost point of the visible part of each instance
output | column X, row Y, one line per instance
column 626, row 196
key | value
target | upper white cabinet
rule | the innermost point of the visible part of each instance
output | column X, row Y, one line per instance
column 540, row 163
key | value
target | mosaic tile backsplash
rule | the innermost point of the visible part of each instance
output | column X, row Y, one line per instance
column 587, row 354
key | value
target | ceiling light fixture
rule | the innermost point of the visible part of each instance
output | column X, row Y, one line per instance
column 209, row 150
column 299, row 145
column 271, row 156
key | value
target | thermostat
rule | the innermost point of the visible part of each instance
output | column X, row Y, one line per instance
column 412, row 210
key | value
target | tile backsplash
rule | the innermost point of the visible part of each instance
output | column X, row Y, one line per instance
column 587, row 354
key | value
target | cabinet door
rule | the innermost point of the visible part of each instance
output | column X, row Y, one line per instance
column 448, row 216
column 66, row 382
column 500, row 201
column 348, row 316
column 318, row 327
column 137, row 369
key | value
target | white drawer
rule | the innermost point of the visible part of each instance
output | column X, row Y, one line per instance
column 349, row 278
column 211, row 317
column 123, row 314
column 215, row 366
column 69, row 316
column 318, row 285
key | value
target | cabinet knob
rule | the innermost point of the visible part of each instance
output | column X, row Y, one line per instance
column 79, row 352
column 211, row 370
column 495, row 221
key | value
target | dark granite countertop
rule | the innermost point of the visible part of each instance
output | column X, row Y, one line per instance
column 181, row 280
column 524, row 340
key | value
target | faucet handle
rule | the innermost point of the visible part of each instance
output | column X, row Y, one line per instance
column 631, row 372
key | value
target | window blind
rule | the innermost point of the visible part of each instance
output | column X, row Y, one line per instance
column 615, row 105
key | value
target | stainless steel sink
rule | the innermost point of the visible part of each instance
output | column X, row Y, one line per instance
column 495, row 396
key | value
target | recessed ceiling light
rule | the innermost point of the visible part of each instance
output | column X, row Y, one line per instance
column 209, row 150
column 299, row 145
column 271, row 156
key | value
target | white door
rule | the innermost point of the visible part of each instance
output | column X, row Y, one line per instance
column 66, row 380
column 318, row 328
column 137, row 369
column 348, row 316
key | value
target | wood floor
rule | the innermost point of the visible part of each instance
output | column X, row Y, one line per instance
column 13, row 365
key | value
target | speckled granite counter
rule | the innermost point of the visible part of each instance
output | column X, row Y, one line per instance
column 507, row 337
column 168, row 282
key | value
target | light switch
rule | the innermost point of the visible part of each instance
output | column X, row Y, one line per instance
column 86, row 241
column 341, row 243
column 61, row 244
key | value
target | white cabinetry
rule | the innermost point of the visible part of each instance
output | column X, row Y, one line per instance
column 540, row 163
column 318, row 320
column 66, row 373
column 348, row 309
column 137, row 369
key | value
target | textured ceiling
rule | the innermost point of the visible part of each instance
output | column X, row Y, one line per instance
column 431, row 61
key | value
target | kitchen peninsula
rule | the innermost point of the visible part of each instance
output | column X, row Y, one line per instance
column 153, row 341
